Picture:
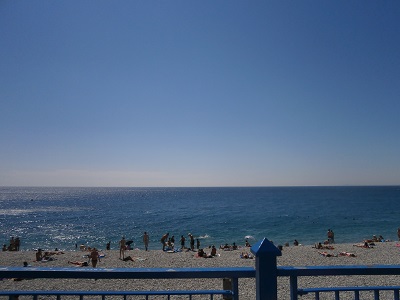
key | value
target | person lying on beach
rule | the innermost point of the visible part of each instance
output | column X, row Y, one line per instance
column 246, row 255
column 79, row 263
column 56, row 252
column 175, row 250
column 347, row 254
column 320, row 246
column 326, row 254
column 363, row 245
column 225, row 247
column 47, row 258
column 375, row 239
column 128, row 258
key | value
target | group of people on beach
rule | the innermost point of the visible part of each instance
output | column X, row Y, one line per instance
column 368, row 243
column 168, row 243
column 227, row 247
column 93, row 258
column 124, row 245
column 14, row 244
column 47, row 255
column 202, row 253
column 325, row 245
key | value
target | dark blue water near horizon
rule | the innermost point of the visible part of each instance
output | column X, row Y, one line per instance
column 50, row 217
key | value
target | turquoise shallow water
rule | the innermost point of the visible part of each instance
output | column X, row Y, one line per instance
column 62, row 217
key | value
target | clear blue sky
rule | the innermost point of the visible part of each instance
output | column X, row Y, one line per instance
column 199, row 93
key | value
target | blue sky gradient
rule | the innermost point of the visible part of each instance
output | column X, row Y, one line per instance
column 209, row 93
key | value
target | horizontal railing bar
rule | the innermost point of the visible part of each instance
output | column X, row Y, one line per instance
column 160, row 273
column 116, row 293
column 339, row 270
column 193, row 273
column 126, row 273
column 348, row 288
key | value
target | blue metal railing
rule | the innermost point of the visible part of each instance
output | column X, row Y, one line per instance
column 355, row 289
column 295, row 272
column 127, row 273
column 266, row 273
column 12, row 295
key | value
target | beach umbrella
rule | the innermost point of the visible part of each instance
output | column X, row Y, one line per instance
column 129, row 242
column 249, row 237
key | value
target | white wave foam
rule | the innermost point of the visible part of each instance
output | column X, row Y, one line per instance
column 206, row 236
column 15, row 212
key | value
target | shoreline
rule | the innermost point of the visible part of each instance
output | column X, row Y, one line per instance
column 291, row 255
column 386, row 253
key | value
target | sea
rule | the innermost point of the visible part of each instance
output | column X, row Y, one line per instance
column 65, row 217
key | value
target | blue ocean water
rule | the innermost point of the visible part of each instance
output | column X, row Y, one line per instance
column 62, row 217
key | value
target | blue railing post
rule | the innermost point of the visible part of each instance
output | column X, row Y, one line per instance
column 266, row 270
column 293, row 287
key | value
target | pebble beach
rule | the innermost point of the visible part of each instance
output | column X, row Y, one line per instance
column 387, row 253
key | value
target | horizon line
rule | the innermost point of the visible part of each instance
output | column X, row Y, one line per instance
column 211, row 186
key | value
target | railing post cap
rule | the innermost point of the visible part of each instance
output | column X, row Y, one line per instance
column 265, row 248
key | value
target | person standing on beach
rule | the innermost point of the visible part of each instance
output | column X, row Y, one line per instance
column 163, row 240
column 94, row 256
column 122, row 246
column 39, row 255
column 331, row 236
column 398, row 233
column 17, row 243
column 12, row 244
column 191, row 241
column 182, row 240
column 146, row 239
